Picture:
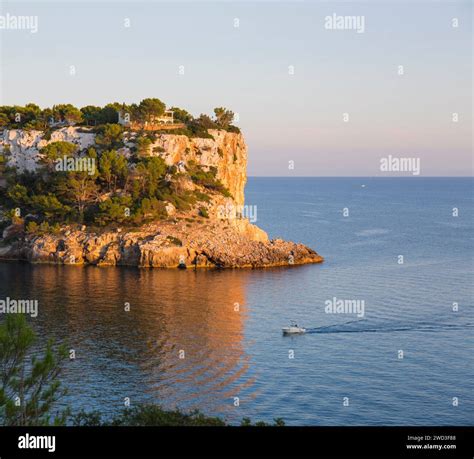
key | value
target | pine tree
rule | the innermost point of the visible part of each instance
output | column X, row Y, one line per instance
column 29, row 389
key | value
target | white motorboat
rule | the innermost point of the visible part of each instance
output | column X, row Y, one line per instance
column 293, row 329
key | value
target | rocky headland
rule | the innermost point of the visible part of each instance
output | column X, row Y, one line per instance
column 211, row 231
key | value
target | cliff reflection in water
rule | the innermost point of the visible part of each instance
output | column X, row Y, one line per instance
column 136, row 354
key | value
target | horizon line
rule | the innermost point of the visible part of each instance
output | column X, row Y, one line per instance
column 361, row 176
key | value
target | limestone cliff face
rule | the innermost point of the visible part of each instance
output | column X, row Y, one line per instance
column 227, row 152
column 24, row 146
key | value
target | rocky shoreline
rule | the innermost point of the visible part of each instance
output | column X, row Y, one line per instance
column 167, row 245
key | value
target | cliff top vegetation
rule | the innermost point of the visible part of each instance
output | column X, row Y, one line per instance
column 32, row 117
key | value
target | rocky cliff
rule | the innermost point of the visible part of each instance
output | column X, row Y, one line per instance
column 24, row 146
column 186, row 239
column 226, row 151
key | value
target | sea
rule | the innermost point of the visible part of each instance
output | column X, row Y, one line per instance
column 389, row 314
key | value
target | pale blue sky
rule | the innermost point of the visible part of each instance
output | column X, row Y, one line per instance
column 284, row 117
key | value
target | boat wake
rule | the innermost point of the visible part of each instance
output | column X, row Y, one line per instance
column 362, row 326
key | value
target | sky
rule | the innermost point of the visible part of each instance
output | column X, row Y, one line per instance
column 275, row 63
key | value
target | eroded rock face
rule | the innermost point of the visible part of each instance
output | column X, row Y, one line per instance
column 24, row 146
column 205, row 244
column 185, row 239
column 227, row 152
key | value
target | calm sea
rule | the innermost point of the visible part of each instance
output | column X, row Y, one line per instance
column 212, row 339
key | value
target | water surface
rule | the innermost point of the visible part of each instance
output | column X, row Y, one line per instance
column 226, row 324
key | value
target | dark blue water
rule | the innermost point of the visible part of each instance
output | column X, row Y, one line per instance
column 238, row 352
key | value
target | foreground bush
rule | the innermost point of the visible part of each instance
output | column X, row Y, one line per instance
column 154, row 415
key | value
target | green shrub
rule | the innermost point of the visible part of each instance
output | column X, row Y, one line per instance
column 207, row 179
column 143, row 146
column 233, row 129
column 57, row 150
column 150, row 209
column 49, row 206
column 109, row 136
column 43, row 228
column 203, row 212
column 203, row 197
column 175, row 241
column 156, row 416
column 114, row 210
